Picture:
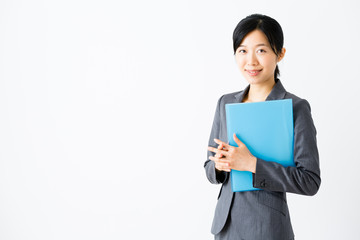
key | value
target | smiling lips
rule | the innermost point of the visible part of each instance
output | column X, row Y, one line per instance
column 253, row 72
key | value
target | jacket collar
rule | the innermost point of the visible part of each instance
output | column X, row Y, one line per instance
column 278, row 92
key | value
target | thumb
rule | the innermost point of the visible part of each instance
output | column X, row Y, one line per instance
column 237, row 140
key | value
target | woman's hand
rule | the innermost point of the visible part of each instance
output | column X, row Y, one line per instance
column 228, row 157
column 220, row 163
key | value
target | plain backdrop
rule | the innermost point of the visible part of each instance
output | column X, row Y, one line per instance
column 106, row 109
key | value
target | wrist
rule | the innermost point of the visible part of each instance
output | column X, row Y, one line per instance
column 252, row 166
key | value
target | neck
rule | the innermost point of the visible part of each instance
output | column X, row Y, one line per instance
column 259, row 92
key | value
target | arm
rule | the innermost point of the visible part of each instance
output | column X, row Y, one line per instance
column 302, row 179
column 214, row 176
column 305, row 177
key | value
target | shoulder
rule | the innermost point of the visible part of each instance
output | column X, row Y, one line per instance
column 301, row 110
column 225, row 99
column 229, row 97
column 299, row 104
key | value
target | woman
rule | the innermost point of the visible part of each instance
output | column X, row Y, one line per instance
column 258, row 47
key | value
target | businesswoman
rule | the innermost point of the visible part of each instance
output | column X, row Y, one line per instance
column 264, row 214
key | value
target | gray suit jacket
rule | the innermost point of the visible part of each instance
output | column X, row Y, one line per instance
column 265, row 214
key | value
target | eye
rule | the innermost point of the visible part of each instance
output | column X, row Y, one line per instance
column 242, row 51
column 261, row 51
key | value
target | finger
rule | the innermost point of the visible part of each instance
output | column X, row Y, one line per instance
column 219, row 155
column 222, row 160
column 237, row 140
column 219, row 160
column 215, row 150
column 220, row 146
column 225, row 149
column 227, row 169
column 225, row 145
column 223, row 165
column 222, row 168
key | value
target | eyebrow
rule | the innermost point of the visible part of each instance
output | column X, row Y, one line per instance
column 260, row 44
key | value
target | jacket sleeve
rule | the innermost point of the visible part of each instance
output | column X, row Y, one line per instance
column 305, row 177
column 213, row 175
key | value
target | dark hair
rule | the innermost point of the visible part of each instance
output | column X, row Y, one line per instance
column 269, row 26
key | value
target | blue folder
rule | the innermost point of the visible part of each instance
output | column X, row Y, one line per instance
column 267, row 129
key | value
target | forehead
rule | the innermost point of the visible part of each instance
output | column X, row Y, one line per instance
column 255, row 38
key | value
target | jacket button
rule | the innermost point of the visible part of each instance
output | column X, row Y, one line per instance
column 263, row 183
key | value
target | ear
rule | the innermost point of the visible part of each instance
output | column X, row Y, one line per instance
column 281, row 55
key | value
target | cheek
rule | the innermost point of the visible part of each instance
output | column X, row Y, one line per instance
column 270, row 62
column 240, row 61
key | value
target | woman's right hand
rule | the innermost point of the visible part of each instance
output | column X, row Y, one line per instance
column 220, row 163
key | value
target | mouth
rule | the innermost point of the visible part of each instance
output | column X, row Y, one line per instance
column 253, row 72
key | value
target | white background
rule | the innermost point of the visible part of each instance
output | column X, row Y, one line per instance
column 106, row 108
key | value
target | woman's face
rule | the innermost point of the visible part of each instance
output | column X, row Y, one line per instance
column 255, row 58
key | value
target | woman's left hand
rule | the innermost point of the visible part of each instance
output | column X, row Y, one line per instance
column 239, row 158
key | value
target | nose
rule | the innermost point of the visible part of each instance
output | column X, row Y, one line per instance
column 252, row 59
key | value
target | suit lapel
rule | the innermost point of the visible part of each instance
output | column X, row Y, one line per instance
column 240, row 96
column 278, row 92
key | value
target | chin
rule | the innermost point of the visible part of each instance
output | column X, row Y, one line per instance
column 254, row 81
